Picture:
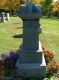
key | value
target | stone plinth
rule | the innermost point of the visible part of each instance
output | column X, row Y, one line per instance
column 31, row 62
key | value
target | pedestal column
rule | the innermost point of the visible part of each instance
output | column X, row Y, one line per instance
column 31, row 34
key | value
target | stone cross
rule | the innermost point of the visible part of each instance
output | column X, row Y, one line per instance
column 31, row 61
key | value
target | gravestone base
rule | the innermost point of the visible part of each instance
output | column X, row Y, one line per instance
column 31, row 70
column 34, row 68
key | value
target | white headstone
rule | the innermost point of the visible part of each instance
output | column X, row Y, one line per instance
column 7, row 16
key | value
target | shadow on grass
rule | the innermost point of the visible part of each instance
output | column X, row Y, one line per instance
column 18, row 36
column 19, row 27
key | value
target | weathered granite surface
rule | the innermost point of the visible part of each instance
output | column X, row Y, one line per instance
column 31, row 62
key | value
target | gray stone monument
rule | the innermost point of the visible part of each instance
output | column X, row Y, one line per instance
column 31, row 61
column 2, row 16
column 7, row 16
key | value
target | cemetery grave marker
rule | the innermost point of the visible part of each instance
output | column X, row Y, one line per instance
column 31, row 61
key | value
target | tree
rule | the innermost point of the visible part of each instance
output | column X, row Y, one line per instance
column 46, row 7
column 56, row 8
column 36, row 1
column 13, row 4
column 2, row 3
column 9, row 4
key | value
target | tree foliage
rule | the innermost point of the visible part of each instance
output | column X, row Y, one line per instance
column 2, row 3
column 47, row 7
column 56, row 6
column 36, row 1
column 9, row 4
column 14, row 4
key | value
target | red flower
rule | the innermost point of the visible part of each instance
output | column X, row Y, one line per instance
column 57, row 66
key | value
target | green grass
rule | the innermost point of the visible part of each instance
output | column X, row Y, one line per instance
column 51, row 78
column 7, row 31
column 49, row 36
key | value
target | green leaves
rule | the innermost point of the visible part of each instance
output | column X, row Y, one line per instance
column 9, row 4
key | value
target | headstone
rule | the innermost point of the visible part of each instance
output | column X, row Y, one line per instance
column 2, row 16
column 31, row 61
column 7, row 16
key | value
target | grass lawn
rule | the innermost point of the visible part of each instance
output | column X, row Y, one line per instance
column 7, row 31
column 49, row 36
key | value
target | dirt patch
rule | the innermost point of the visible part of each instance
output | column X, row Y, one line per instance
column 17, row 25
column 13, row 28
column 10, row 31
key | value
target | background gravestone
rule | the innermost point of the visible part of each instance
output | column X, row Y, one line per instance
column 7, row 16
column 2, row 16
column 31, row 61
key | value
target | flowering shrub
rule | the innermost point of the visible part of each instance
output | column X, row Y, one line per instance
column 2, row 70
column 52, row 66
column 49, row 56
column 8, row 63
